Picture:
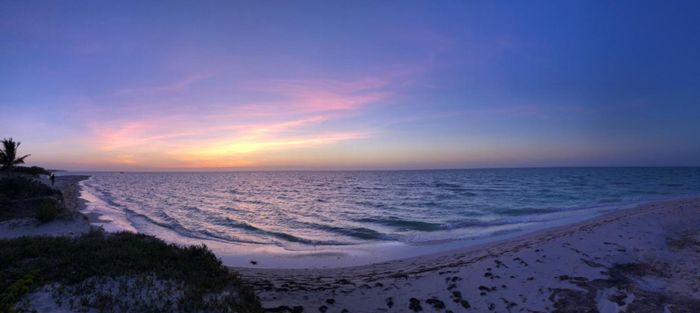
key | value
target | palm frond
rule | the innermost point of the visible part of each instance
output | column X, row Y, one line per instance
column 8, row 153
column 20, row 160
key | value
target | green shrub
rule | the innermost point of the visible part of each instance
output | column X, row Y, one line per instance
column 47, row 210
column 16, row 290
column 71, row 261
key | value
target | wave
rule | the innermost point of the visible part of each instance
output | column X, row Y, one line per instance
column 411, row 225
column 354, row 232
column 403, row 225
column 475, row 223
column 455, row 188
column 169, row 223
column 228, row 222
column 340, row 208
column 526, row 211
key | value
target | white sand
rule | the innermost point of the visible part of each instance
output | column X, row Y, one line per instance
column 643, row 259
column 31, row 227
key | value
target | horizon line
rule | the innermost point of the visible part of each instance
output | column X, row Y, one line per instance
column 377, row 170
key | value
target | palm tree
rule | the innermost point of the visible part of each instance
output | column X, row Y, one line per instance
column 8, row 154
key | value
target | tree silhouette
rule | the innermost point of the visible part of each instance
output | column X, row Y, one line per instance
column 8, row 154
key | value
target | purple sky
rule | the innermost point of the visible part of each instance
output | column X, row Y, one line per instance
column 147, row 85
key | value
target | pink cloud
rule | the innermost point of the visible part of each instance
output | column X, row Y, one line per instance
column 326, row 95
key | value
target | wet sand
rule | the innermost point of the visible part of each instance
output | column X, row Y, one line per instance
column 642, row 259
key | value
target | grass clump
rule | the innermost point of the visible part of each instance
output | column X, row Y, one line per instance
column 16, row 290
column 130, row 262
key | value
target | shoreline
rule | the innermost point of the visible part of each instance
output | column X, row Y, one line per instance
column 238, row 254
column 616, row 261
column 535, row 235
column 351, row 256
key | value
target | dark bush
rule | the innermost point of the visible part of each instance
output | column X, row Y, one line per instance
column 22, row 197
column 47, row 210
column 33, row 170
column 21, row 187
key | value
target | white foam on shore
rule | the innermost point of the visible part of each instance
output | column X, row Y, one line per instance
column 101, row 214
column 113, row 219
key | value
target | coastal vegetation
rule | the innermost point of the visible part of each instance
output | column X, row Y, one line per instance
column 25, row 197
column 33, row 171
column 21, row 195
column 122, row 272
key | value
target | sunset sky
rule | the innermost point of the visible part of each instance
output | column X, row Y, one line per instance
column 199, row 85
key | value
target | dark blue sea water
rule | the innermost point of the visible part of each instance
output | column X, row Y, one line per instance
column 319, row 211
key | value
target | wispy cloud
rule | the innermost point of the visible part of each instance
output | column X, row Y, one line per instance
column 325, row 95
column 171, row 87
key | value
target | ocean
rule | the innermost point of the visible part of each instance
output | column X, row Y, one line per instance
column 340, row 218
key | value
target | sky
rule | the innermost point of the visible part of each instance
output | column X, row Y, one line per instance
column 206, row 85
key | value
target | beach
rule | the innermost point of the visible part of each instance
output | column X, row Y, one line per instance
column 642, row 259
column 639, row 259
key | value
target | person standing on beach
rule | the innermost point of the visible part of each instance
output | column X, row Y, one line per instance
column 52, row 177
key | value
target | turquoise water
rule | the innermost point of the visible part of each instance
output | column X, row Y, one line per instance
column 297, row 209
